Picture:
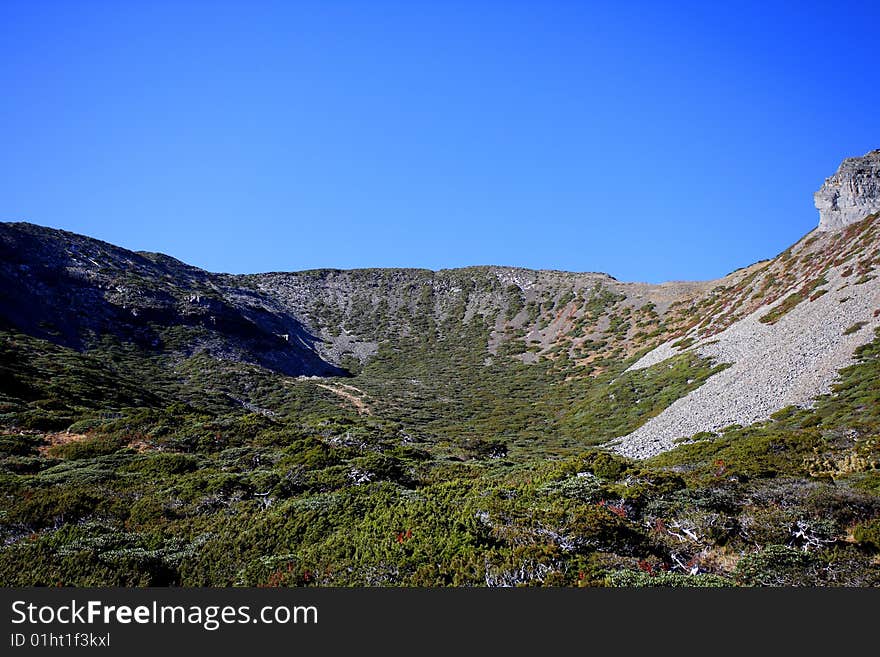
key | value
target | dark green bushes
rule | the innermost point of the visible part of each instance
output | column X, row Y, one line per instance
column 473, row 479
column 776, row 565
column 867, row 534
column 90, row 447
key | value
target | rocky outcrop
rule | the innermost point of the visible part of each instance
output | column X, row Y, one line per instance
column 851, row 194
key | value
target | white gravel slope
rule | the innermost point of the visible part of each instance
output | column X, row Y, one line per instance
column 772, row 366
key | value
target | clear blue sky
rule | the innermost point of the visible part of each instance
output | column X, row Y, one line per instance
column 652, row 140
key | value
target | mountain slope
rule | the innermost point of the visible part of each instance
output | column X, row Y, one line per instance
column 526, row 355
column 162, row 425
column 74, row 291
column 786, row 329
column 482, row 350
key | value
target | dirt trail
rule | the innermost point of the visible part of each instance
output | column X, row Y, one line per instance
column 139, row 444
column 350, row 394
column 53, row 439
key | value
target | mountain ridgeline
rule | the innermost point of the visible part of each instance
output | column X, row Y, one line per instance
column 488, row 425
column 403, row 337
column 76, row 291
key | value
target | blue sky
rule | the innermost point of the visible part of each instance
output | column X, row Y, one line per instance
column 652, row 141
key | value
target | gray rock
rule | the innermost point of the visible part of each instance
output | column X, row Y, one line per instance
column 851, row 194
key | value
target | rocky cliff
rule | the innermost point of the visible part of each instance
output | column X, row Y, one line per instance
column 851, row 194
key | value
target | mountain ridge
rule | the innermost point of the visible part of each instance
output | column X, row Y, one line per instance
column 313, row 323
column 31, row 225
column 79, row 292
column 163, row 425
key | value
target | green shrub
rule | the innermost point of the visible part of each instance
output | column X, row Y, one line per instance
column 855, row 328
column 782, row 308
column 776, row 565
column 164, row 464
column 867, row 534
column 609, row 466
column 583, row 487
column 18, row 445
column 88, row 448
column 637, row 578
column 147, row 511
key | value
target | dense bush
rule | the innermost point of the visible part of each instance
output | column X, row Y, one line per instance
column 867, row 534
column 776, row 565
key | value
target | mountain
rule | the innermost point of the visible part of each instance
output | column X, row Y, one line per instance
column 308, row 323
column 851, row 194
column 168, row 425
column 785, row 329
column 75, row 291
column 782, row 325
column 394, row 328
